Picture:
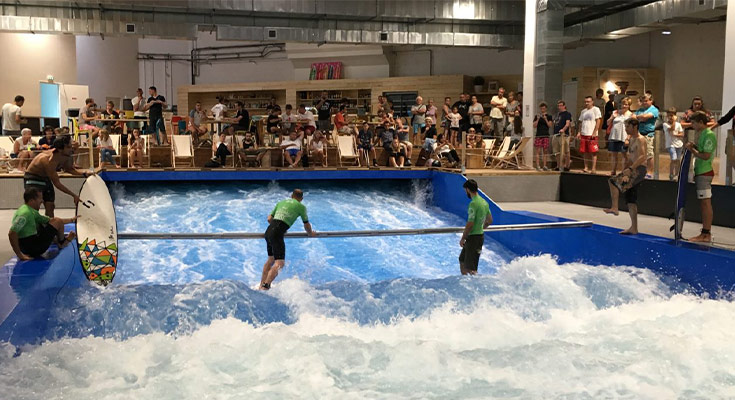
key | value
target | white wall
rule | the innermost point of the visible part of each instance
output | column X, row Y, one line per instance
column 454, row 60
column 28, row 59
column 109, row 67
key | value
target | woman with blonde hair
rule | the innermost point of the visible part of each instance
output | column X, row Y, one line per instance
column 617, row 138
column 107, row 150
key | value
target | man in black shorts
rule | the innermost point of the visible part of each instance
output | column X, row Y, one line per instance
column 280, row 219
column 473, row 237
column 31, row 233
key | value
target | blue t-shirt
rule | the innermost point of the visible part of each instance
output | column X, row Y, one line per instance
column 648, row 126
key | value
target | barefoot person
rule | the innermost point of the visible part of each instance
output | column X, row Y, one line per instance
column 703, row 154
column 41, row 173
column 627, row 181
column 280, row 219
column 473, row 237
column 31, row 233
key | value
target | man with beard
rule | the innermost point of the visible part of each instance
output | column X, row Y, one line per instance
column 473, row 237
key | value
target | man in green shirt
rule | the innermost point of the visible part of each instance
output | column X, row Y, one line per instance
column 280, row 219
column 703, row 172
column 478, row 218
column 31, row 233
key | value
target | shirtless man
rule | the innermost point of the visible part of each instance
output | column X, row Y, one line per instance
column 627, row 181
column 41, row 173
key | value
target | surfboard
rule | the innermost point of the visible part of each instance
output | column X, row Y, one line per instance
column 97, row 231
column 681, row 195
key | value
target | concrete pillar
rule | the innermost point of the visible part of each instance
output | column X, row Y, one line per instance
column 529, row 79
column 728, row 83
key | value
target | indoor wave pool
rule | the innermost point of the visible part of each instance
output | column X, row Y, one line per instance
column 361, row 318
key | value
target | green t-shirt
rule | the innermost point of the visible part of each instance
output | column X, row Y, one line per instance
column 707, row 144
column 288, row 210
column 477, row 212
column 26, row 220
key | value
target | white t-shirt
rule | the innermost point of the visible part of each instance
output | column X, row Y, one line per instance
column 136, row 100
column 454, row 119
column 10, row 111
column 308, row 115
column 618, row 129
column 672, row 141
column 496, row 112
column 219, row 111
column 588, row 119
column 104, row 143
column 291, row 144
column 289, row 120
column 31, row 142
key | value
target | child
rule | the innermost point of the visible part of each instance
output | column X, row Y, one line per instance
column 454, row 118
column 674, row 142
column 542, row 122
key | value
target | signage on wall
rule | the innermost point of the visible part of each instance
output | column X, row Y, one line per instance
column 329, row 70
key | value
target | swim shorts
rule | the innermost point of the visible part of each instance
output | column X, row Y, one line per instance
column 275, row 244
column 470, row 255
column 41, row 183
column 628, row 181
column 37, row 244
column 704, row 186
column 588, row 144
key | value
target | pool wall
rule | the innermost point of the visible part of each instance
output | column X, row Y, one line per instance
column 28, row 289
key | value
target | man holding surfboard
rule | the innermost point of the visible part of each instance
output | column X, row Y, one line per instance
column 280, row 220
column 41, row 173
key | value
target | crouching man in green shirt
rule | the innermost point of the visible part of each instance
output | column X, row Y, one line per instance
column 703, row 152
column 280, row 219
column 473, row 237
column 31, row 233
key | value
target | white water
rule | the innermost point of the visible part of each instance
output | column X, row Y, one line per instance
column 531, row 331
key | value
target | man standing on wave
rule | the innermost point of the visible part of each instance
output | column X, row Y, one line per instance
column 473, row 237
column 280, row 219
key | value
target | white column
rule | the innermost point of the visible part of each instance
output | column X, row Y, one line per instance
column 529, row 81
column 728, row 84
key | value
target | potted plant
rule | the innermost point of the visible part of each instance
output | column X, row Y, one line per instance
column 479, row 82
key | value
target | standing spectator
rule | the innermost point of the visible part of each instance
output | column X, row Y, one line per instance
column 431, row 113
column 647, row 115
column 87, row 117
column 241, row 122
column 623, row 85
column 697, row 105
column 616, row 140
column 599, row 100
column 306, row 117
column 340, row 122
column 365, row 143
column 418, row 117
column 541, row 122
column 725, row 119
column 513, row 104
column 454, row 121
column 674, row 142
column 463, row 108
column 272, row 104
column 609, row 108
column 560, row 142
column 48, row 138
column 107, row 150
column 324, row 112
column 12, row 117
column 476, row 113
column 630, row 178
column 289, row 118
column 497, row 114
column 402, row 133
column 23, row 149
column 515, row 130
column 138, row 113
column 155, row 105
column 446, row 110
column 273, row 122
column 591, row 120
column 703, row 152
column 383, row 105
column 196, row 116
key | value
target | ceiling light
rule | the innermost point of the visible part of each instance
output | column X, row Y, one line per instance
column 666, row 32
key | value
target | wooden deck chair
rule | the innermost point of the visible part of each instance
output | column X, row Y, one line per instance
column 308, row 150
column 146, row 157
column 116, row 146
column 510, row 158
column 489, row 149
column 6, row 144
column 347, row 150
column 283, row 154
column 230, row 160
column 182, row 151
column 250, row 159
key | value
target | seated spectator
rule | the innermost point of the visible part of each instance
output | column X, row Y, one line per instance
column 387, row 134
column 88, row 117
column 48, row 138
column 515, row 131
column 340, row 122
column 445, row 150
column 273, row 122
column 195, row 127
column 397, row 154
column 221, row 148
column 487, row 130
column 474, row 141
column 241, row 122
column 107, row 150
column 23, row 149
column 292, row 149
column 318, row 149
column 250, row 147
column 365, row 147
column 289, row 119
column 136, row 148
column 403, row 135
column 31, row 233
column 430, row 137
column 306, row 118
column 110, row 113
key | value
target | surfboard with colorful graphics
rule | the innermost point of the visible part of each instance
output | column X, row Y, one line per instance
column 97, row 231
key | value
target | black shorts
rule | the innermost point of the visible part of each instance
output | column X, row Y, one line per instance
column 37, row 244
column 470, row 255
column 274, row 239
column 43, row 184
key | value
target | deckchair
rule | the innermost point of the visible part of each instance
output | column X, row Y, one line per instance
column 182, row 152
column 6, row 144
column 347, row 150
column 115, row 145
column 231, row 157
column 489, row 149
column 510, row 158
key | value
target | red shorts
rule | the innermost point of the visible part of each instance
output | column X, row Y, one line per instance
column 541, row 142
column 308, row 129
column 588, row 144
